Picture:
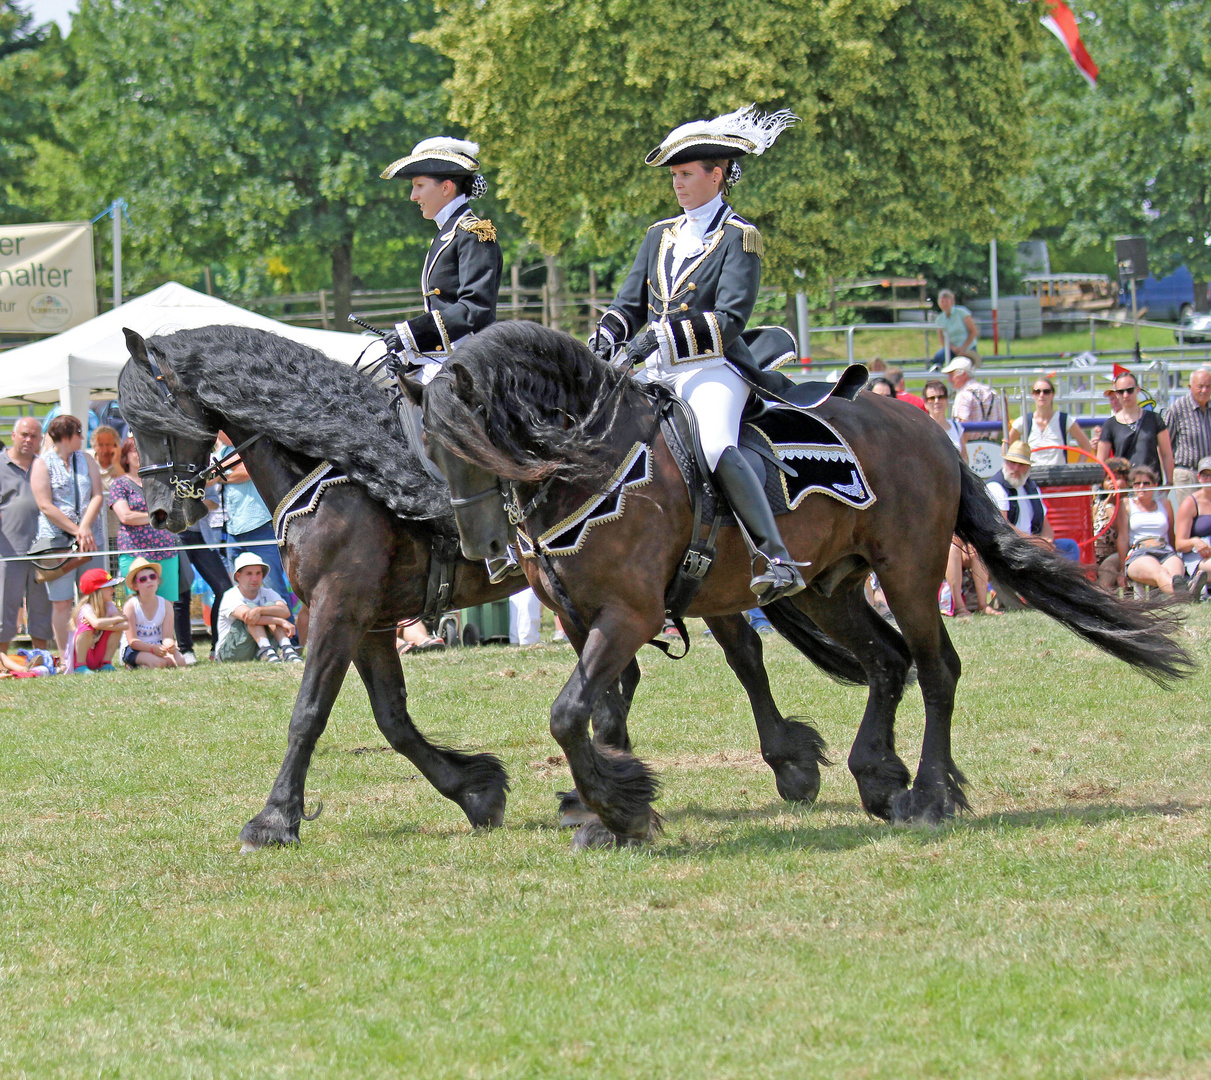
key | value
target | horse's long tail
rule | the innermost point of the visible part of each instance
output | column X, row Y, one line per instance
column 818, row 647
column 1138, row 632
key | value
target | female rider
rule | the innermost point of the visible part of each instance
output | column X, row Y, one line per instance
column 685, row 303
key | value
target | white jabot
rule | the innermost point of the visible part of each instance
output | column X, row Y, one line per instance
column 691, row 232
column 449, row 210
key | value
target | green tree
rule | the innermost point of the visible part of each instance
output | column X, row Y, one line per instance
column 254, row 124
column 1134, row 154
column 911, row 114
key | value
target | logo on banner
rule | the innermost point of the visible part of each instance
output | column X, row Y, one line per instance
column 49, row 311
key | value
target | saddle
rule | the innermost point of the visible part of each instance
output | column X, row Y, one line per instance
column 796, row 451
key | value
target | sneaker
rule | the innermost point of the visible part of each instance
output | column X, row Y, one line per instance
column 267, row 654
column 1196, row 585
column 106, row 667
column 559, row 637
column 290, row 654
column 190, row 659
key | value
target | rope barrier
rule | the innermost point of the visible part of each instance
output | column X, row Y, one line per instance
column 126, row 551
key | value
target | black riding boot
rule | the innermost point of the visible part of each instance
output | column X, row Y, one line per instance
column 743, row 490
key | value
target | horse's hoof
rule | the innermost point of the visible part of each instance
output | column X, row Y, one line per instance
column 572, row 811
column 593, row 834
column 485, row 809
column 796, row 784
column 267, row 829
column 911, row 808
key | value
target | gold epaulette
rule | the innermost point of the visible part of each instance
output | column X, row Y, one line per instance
column 750, row 237
column 481, row 227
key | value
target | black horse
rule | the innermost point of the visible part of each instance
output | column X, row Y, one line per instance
column 531, row 414
column 362, row 558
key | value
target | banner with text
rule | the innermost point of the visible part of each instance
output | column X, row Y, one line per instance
column 47, row 282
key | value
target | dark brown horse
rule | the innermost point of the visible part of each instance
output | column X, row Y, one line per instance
column 362, row 559
column 527, row 424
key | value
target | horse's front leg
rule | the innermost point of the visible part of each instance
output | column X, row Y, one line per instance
column 330, row 648
column 794, row 750
column 477, row 782
column 611, row 782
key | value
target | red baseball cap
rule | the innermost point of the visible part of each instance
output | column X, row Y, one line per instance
column 93, row 580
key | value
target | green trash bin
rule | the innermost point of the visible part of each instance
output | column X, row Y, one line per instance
column 486, row 623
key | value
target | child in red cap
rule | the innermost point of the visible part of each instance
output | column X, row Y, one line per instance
column 96, row 624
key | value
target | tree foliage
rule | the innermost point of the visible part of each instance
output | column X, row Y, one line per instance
column 260, row 122
column 911, row 113
column 1134, row 155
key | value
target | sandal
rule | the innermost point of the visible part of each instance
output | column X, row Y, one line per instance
column 428, row 645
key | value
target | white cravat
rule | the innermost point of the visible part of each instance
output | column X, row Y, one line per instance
column 691, row 233
column 449, row 210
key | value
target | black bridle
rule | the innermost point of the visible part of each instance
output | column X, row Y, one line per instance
column 192, row 485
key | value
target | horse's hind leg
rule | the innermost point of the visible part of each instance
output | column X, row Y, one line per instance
column 477, row 782
column 937, row 789
column 846, row 617
column 791, row 748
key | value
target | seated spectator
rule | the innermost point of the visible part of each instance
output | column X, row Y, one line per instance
column 1193, row 526
column 1047, row 428
column 1105, row 524
column 957, row 332
column 1019, row 499
column 963, row 559
column 895, row 376
column 881, row 386
column 252, row 617
column 149, row 641
column 937, row 397
column 1146, row 541
column 97, row 624
column 413, row 636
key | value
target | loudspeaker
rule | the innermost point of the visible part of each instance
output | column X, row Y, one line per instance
column 1131, row 254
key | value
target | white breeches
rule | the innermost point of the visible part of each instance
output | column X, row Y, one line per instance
column 716, row 396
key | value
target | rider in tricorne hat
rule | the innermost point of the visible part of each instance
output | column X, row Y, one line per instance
column 685, row 303
column 461, row 277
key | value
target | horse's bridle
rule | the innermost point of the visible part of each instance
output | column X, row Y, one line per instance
column 193, row 484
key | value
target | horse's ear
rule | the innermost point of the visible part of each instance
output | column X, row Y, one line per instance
column 464, row 385
column 137, row 347
column 414, row 389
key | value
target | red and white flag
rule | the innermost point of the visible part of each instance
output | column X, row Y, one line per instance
column 1061, row 22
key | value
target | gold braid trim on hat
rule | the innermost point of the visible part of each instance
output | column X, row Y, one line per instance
column 482, row 228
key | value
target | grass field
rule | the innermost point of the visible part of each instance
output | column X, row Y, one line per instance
column 1063, row 930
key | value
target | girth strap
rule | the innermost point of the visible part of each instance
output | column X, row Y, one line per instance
column 443, row 558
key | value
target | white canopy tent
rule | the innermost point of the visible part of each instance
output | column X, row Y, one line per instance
column 83, row 363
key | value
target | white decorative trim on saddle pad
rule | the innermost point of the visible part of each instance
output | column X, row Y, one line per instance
column 304, row 497
column 826, row 465
column 569, row 535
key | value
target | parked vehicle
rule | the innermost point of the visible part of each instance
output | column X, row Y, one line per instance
column 1194, row 328
column 1167, row 300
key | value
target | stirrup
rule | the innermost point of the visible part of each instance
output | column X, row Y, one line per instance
column 504, row 567
column 779, row 580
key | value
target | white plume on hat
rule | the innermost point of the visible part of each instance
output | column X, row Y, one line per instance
column 760, row 129
column 446, row 144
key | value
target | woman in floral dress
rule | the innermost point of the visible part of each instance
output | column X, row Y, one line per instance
column 135, row 535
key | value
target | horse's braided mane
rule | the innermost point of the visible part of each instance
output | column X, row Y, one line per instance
column 547, row 404
column 301, row 398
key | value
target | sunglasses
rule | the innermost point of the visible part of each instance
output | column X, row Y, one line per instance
column 142, row 579
column 1042, row 390
column 1126, row 390
column 935, row 398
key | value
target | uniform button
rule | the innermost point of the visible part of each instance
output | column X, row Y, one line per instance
column 692, row 285
column 685, row 307
column 437, row 292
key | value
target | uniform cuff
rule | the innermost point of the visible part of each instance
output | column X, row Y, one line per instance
column 694, row 338
column 424, row 333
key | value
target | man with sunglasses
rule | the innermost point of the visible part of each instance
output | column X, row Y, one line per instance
column 1137, row 434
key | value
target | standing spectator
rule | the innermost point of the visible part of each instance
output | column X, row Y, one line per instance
column 1046, row 428
column 973, row 400
column 525, row 615
column 253, row 616
column 149, row 642
column 18, row 527
column 1189, row 422
column 1019, row 499
column 106, row 446
column 1105, row 524
column 895, row 376
column 1139, row 435
column 957, row 332
column 136, row 537
column 249, row 520
column 1146, row 543
column 66, row 483
column 937, row 397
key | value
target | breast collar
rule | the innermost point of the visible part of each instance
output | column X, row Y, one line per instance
column 668, row 292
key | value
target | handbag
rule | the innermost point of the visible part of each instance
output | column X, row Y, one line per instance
column 54, row 552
